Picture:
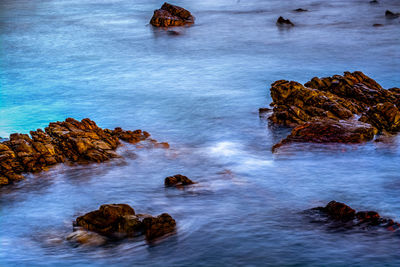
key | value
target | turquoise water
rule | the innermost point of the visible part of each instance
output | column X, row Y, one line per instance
column 200, row 91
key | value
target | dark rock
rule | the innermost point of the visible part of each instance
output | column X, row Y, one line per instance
column 390, row 15
column 177, row 180
column 170, row 15
column 378, row 25
column 339, row 215
column 284, row 22
column 118, row 221
column 330, row 131
column 300, row 10
column 70, row 140
column 374, row 2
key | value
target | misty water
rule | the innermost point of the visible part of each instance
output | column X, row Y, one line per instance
column 199, row 89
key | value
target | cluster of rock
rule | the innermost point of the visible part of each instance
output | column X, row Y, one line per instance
column 117, row 221
column 339, row 215
column 326, row 110
column 70, row 140
column 177, row 180
column 170, row 15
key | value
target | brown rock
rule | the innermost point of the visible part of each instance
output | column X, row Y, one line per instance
column 177, row 180
column 159, row 226
column 383, row 116
column 170, row 15
column 120, row 220
column 340, row 211
column 330, row 131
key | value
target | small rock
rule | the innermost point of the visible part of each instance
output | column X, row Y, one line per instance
column 377, row 25
column 284, row 22
column 390, row 15
column 170, row 15
column 84, row 237
column 177, row 180
column 158, row 226
column 374, row 2
column 300, row 10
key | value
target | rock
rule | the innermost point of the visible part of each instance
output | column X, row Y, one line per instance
column 391, row 15
column 378, row 25
column 337, row 98
column 383, row 116
column 284, row 22
column 177, row 180
column 339, row 215
column 170, row 15
column 118, row 221
column 300, row 10
column 70, row 140
column 330, row 131
column 158, row 226
column 374, row 2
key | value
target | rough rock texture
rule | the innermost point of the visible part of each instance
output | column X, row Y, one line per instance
column 330, row 131
column 284, row 22
column 70, row 140
column 120, row 220
column 339, row 215
column 170, row 15
column 313, row 106
column 177, row 180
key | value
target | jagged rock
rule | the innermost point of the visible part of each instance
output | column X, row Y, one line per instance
column 316, row 106
column 170, row 15
column 177, row 180
column 383, row 116
column 70, row 140
column 330, row 131
column 340, row 215
column 119, row 221
column 391, row 15
column 284, row 22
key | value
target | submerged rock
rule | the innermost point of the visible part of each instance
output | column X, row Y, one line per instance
column 300, row 10
column 83, row 237
column 330, row 131
column 118, row 221
column 284, row 22
column 326, row 109
column 340, row 215
column 70, row 140
column 177, row 180
column 170, row 15
column 391, row 15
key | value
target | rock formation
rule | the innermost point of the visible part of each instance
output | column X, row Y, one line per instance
column 326, row 109
column 284, row 22
column 116, row 221
column 170, row 15
column 70, row 140
column 339, row 215
column 177, row 180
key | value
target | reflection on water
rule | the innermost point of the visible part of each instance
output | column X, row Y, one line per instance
column 198, row 88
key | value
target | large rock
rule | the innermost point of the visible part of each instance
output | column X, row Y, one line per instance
column 314, row 107
column 330, row 131
column 170, row 15
column 339, row 215
column 119, row 221
column 177, row 180
column 70, row 140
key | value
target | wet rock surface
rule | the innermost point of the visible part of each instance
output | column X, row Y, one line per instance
column 177, row 180
column 284, row 22
column 70, row 140
column 117, row 221
column 338, row 215
column 170, row 15
column 326, row 109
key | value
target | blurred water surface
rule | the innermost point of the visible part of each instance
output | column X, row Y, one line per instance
column 199, row 90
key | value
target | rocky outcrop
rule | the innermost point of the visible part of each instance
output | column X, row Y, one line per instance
column 170, row 15
column 326, row 109
column 70, row 140
column 330, row 131
column 339, row 215
column 116, row 221
column 284, row 22
column 177, row 180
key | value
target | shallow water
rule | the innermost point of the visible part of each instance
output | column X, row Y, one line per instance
column 200, row 91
